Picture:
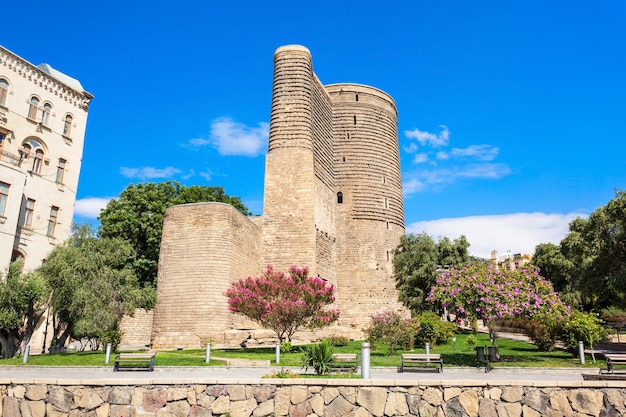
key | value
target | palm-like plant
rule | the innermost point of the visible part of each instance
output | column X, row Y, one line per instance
column 317, row 357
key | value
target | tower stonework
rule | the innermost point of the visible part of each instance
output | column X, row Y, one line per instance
column 332, row 202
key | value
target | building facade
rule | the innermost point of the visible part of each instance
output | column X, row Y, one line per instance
column 332, row 202
column 43, row 115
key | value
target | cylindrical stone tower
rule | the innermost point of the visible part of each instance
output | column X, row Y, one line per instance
column 370, row 216
column 299, row 219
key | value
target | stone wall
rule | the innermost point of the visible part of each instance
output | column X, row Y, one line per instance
column 136, row 329
column 204, row 248
column 301, row 398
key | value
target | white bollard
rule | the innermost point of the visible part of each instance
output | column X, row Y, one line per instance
column 207, row 353
column 26, row 354
column 107, row 355
column 277, row 353
column 581, row 352
column 427, row 350
column 365, row 360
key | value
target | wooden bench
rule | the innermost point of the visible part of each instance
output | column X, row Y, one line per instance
column 613, row 359
column 344, row 362
column 134, row 362
column 421, row 361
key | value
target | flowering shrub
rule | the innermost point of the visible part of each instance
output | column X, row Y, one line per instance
column 479, row 292
column 284, row 302
column 393, row 330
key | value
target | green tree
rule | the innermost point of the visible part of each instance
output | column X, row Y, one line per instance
column 589, row 267
column 417, row 261
column 93, row 284
column 22, row 302
column 137, row 217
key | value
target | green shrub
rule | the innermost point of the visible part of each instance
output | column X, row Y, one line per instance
column 614, row 315
column 585, row 327
column 338, row 341
column 433, row 330
column 317, row 357
column 114, row 337
column 392, row 330
column 543, row 333
column 286, row 347
column 471, row 341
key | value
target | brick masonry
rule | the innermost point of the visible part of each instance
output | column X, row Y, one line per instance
column 324, row 142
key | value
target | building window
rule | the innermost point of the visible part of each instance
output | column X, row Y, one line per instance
column 34, row 106
column 61, row 170
column 339, row 197
column 37, row 161
column 67, row 126
column 4, row 91
column 28, row 213
column 52, row 221
column 4, row 196
column 2, row 139
column 45, row 114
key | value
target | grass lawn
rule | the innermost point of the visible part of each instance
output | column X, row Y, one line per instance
column 512, row 352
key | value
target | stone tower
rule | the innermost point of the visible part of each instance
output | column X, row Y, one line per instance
column 332, row 202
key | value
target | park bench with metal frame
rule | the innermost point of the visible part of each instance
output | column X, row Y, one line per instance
column 421, row 361
column 134, row 362
column 613, row 359
column 344, row 362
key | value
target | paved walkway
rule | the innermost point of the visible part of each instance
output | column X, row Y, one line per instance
column 231, row 374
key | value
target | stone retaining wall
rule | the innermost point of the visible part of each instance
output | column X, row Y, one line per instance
column 310, row 397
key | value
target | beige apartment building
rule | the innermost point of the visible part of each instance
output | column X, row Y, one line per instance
column 43, row 115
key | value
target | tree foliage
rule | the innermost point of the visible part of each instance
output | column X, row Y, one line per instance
column 284, row 302
column 416, row 263
column 137, row 217
column 589, row 265
column 93, row 284
column 484, row 292
column 22, row 302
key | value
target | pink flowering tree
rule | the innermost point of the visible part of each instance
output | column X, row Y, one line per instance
column 479, row 292
column 284, row 302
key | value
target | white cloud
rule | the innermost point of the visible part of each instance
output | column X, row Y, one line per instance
column 145, row 173
column 420, row 158
column 412, row 148
column 442, row 156
column 232, row 138
column 431, row 178
column 198, row 142
column 481, row 152
column 517, row 232
column 90, row 207
column 435, row 140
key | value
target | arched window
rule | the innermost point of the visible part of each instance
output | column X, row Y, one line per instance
column 32, row 110
column 45, row 114
column 26, row 148
column 4, row 91
column 32, row 148
column 37, row 161
column 67, row 127
column 339, row 197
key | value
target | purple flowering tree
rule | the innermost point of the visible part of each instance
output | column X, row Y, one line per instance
column 283, row 302
column 480, row 292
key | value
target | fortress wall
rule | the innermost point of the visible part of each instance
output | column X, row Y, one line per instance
column 204, row 248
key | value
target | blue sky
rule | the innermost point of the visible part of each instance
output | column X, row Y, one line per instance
column 512, row 117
